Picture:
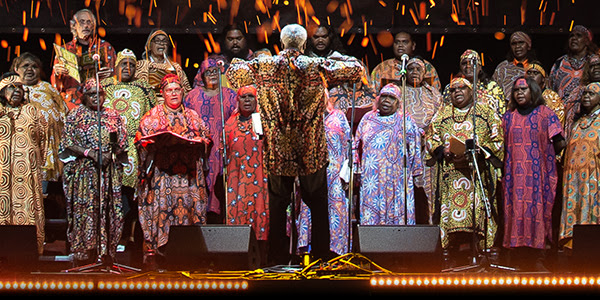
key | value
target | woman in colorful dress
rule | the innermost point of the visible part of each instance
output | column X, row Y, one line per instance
column 517, row 60
column 172, row 141
column 247, row 189
column 582, row 161
column 459, row 205
column 205, row 100
column 22, row 144
column 536, row 71
column 532, row 136
column 384, row 197
column 86, row 204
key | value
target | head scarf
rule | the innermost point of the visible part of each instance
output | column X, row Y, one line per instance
column 12, row 79
column 125, row 53
column 169, row 78
column 522, row 35
column 389, row 89
column 245, row 90
column 584, row 30
column 470, row 54
column 538, row 67
column 594, row 87
column 460, row 82
column 521, row 82
column 209, row 62
column 417, row 61
column 153, row 34
column 90, row 84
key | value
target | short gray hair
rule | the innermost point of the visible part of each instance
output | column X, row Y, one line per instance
column 293, row 35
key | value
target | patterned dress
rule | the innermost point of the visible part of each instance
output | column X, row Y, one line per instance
column 565, row 74
column 505, row 74
column 153, row 72
column 51, row 105
column 530, row 177
column 390, row 70
column 383, row 199
column 66, row 85
column 581, row 195
column 132, row 100
column 247, row 189
column 453, row 182
column 22, row 152
column 209, row 109
column 80, row 181
column 174, row 190
column 337, row 130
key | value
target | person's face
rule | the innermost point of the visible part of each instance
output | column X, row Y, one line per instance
column 595, row 73
column 247, row 104
column 321, row 39
column 211, row 77
column 519, row 48
column 92, row 99
column 461, row 96
column 126, row 70
column 15, row 94
column 577, row 42
column 159, row 45
column 589, row 100
column 414, row 74
column 468, row 69
column 535, row 75
column 235, row 41
column 173, row 95
column 29, row 72
column 84, row 26
column 403, row 44
column 387, row 105
column 522, row 95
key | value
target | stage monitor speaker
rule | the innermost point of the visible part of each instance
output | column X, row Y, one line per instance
column 212, row 247
column 18, row 248
column 402, row 248
column 586, row 242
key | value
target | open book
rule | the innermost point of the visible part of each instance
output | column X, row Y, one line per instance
column 69, row 60
column 458, row 147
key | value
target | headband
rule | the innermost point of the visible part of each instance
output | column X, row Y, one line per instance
column 246, row 89
column 521, row 82
column 125, row 53
column 536, row 66
column 417, row 61
column 460, row 82
column 584, row 30
column 169, row 78
column 521, row 35
column 594, row 87
column 470, row 54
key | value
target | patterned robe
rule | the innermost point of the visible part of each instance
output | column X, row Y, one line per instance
column 80, row 181
column 66, row 85
column 132, row 100
column 505, row 74
column 382, row 194
column 390, row 70
column 453, row 182
column 553, row 101
column 173, row 192
column 565, row 74
column 247, row 189
column 153, row 72
column 22, row 152
column 291, row 98
column 51, row 105
column 581, row 195
column 209, row 109
column 530, row 177
column 337, row 130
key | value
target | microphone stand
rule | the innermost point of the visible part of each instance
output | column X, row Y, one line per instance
column 404, row 140
column 224, row 168
column 351, row 166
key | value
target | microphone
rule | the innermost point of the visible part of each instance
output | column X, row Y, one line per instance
column 96, row 57
column 404, row 61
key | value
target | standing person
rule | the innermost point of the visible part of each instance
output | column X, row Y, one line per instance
column 324, row 43
column 247, row 189
column 582, row 161
column 86, row 204
column 489, row 92
column 536, row 71
column 517, row 60
column 22, row 144
column 172, row 189
column 132, row 99
column 591, row 73
column 566, row 72
column 155, row 63
column 389, row 70
column 54, row 109
column 459, row 203
column 383, row 198
column 533, row 136
column 205, row 99
column 85, row 45
column 291, row 98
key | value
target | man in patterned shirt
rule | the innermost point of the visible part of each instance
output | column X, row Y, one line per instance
column 291, row 89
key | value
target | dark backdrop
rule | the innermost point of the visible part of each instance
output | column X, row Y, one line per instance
column 482, row 24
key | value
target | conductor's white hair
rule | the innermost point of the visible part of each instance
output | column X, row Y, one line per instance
column 293, row 36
